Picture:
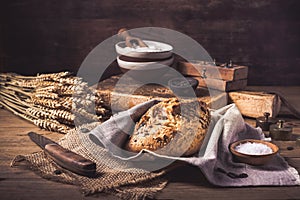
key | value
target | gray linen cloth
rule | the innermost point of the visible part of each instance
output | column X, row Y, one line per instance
column 214, row 158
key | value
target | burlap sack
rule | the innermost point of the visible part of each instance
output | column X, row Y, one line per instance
column 117, row 178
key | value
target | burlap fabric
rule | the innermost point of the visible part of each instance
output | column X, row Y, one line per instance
column 117, row 178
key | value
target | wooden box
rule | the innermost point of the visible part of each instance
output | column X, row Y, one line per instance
column 216, row 77
column 119, row 98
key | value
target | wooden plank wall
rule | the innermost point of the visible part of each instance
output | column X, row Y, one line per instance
column 46, row 36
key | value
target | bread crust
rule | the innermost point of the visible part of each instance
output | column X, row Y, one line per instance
column 171, row 128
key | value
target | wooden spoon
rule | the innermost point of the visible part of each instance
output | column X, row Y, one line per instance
column 130, row 41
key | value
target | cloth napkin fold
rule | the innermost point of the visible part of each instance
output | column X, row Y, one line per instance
column 214, row 158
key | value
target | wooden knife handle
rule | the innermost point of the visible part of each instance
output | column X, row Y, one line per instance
column 70, row 160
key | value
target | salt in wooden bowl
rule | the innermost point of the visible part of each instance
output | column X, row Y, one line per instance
column 251, row 159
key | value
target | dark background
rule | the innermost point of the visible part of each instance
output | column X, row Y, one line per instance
column 53, row 35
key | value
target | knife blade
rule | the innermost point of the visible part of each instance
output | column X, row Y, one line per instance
column 64, row 157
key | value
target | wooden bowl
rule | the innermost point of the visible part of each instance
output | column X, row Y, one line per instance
column 253, row 159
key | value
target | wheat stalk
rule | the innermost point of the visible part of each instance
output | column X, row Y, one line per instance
column 69, row 80
column 59, row 114
column 18, row 90
column 32, row 111
column 47, row 100
column 51, row 125
column 49, row 88
column 43, row 77
column 49, row 103
column 16, row 110
column 12, row 99
column 45, row 95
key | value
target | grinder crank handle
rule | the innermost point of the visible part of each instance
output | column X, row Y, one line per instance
column 70, row 160
column 129, row 40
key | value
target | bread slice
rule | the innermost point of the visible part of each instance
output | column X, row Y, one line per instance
column 171, row 128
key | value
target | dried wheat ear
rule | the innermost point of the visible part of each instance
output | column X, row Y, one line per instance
column 53, row 101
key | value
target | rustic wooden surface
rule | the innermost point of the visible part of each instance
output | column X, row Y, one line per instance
column 262, row 34
column 185, row 183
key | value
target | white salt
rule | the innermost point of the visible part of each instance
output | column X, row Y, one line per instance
column 253, row 148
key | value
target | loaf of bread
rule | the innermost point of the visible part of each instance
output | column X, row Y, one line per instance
column 171, row 128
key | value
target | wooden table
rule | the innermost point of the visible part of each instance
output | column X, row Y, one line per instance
column 185, row 183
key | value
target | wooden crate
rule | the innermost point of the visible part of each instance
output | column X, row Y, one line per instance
column 216, row 77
